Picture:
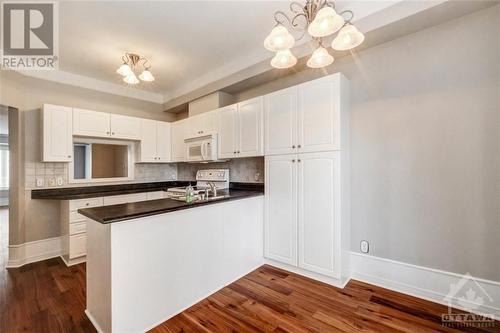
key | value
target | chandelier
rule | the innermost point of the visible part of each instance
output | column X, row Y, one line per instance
column 130, row 62
column 320, row 20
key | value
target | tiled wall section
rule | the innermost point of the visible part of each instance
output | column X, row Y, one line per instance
column 249, row 170
column 51, row 171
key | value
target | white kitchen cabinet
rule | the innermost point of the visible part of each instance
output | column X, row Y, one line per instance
column 307, row 117
column 302, row 211
column 155, row 145
column 91, row 123
column 124, row 127
column 318, row 115
column 202, row 124
column 318, row 212
column 57, row 128
column 125, row 198
column 280, row 110
column 228, row 122
column 178, row 135
column 280, row 219
column 240, row 129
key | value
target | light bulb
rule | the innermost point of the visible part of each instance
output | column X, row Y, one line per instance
column 320, row 58
column 131, row 79
column 348, row 38
column 124, row 70
column 326, row 22
column 279, row 39
column 146, row 76
column 283, row 59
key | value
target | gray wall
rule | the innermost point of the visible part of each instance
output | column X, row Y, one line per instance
column 425, row 145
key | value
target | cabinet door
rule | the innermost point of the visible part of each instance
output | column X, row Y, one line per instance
column 147, row 150
column 91, row 123
column 281, row 121
column 163, row 144
column 194, row 126
column 250, row 120
column 57, row 128
column 123, row 127
column 228, row 117
column 318, row 115
column 178, row 136
column 318, row 212
column 280, row 220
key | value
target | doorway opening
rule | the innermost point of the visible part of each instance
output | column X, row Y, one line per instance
column 4, row 184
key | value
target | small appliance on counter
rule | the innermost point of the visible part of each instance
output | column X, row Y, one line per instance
column 207, row 182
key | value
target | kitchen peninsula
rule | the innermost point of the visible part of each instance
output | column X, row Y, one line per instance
column 162, row 256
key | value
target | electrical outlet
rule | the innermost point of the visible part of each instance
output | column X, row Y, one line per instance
column 364, row 246
column 52, row 181
column 256, row 177
column 39, row 182
column 59, row 181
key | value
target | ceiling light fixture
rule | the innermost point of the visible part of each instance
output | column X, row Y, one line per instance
column 130, row 62
column 320, row 20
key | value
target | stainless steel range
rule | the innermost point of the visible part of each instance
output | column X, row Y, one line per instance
column 208, row 182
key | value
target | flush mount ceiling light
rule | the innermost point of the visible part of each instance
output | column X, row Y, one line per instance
column 132, row 61
column 320, row 20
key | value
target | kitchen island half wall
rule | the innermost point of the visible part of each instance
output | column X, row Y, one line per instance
column 164, row 263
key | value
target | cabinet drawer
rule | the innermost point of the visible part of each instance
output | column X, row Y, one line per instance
column 122, row 199
column 77, row 245
column 75, row 217
column 77, row 228
column 84, row 203
column 155, row 195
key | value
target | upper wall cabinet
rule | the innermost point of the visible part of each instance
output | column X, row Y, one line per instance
column 240, row 129
column 105, row 125
column 155, row 146
column 91, row 123
column 201, row 124
column 179, row 130
column 57, row 122
column 305, row 118
column 124, row 127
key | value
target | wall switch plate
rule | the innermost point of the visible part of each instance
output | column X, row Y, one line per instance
column 364, row 246
column 59, row 181
column 39, row 182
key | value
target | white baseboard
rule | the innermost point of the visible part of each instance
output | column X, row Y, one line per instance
column 93, row 321
column 26, row 253
column 427, row 283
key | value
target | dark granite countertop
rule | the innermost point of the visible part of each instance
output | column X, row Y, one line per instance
column 116, row 213
column 83, row 192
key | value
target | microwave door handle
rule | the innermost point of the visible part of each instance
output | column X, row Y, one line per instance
column 203, row 151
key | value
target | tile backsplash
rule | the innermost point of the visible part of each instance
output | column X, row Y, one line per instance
column 248, row 170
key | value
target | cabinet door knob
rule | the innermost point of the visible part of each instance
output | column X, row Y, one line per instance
column 69, row 156
column 107, row 132
column 293, row 161
column 293, row 146
column 234, row 152
column 238, row 151
column 299, row 146
column 159, row 158
column 113, row 133
column 298, row 160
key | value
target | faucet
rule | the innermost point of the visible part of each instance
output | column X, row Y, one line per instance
column 213, row 188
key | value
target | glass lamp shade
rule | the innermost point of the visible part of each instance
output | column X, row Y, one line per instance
column 279, row 39
column 131, row 79
column 146, row 76
column 124, row 70
column 326, row 22
column 283, row 59
column 320, row 58
column 348, row 38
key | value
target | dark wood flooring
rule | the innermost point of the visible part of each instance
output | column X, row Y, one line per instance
column 49, row 297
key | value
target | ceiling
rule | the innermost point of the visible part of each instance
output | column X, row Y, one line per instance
column 190, row 44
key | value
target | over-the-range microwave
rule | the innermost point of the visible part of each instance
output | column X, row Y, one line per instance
column 202, row 149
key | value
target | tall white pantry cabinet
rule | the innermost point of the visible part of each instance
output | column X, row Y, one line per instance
column 307, row 195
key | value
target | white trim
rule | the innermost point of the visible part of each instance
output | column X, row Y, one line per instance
column 26, row 253
column 93, row 321
column 422, row 282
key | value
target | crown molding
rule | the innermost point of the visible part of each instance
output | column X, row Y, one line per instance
column 95, row 84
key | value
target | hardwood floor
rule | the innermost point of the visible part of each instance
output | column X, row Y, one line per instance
column 50, row 297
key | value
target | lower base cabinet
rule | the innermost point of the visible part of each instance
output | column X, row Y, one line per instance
column 304, row 222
